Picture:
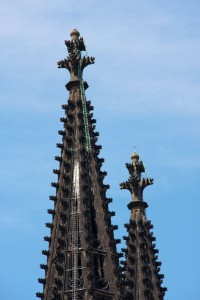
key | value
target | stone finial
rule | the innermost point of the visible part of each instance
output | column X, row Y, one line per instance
column 75, row 34
column 76, row 61
column 136, row 183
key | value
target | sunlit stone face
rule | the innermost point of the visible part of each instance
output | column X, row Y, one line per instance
column 135, row 158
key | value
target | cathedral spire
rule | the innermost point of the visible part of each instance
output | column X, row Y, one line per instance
column 142, row 280
column 82, row 260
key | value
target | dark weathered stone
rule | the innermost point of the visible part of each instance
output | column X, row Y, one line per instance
column 142, row 280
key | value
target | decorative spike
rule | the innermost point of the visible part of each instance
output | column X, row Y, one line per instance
column 127, row 225
column 119, row 255
column 114, row 227
column 59, row 145
column 154, row 251
column 155, row 258
column 40, row 295
column 126, row 238
column 160, row 276
column 125, row 250
column 53, row 198
column 90, row 107
column 62, row 132
column 95, row 139
column 55, row 184
column 149, row 225
column 42, row 280
column 58, row 158
column 49, row 225
column 102, row 174
column 105, row 187
column 157, row 269
column 96, row 133
column 64, row 120
column 107, row 200
column 45, row 252
column 51, row 211
column 122, row 262
column 117, row 241
column 64, row 106
column 111, row 213
column 55, row 171
column 100, row 160
column 47, row 239
column 43, row 266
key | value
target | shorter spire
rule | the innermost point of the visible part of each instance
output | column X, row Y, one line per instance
column 142, row 279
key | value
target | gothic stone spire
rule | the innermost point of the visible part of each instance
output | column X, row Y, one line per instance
column 82, row 260
column 142, row 280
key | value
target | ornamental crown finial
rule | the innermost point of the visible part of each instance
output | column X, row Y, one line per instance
column 75, row 34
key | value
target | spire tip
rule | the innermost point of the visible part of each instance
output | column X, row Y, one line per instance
column 75, row 34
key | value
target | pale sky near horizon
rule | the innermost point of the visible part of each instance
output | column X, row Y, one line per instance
column 145, row 90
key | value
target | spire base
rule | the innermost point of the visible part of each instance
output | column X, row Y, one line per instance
column 74, row 83
column 137, row 204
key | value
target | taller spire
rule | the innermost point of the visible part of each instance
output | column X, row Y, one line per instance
column 82, row 260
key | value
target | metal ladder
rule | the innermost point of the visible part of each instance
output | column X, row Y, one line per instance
column 85, row 113
column 74, row 250
column 75, row 230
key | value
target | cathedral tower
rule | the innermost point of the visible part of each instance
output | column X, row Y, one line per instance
column 82, row 258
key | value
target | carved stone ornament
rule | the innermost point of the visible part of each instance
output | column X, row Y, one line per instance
column 136, row 184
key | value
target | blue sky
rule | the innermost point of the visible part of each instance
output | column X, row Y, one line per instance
column 145, row 90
